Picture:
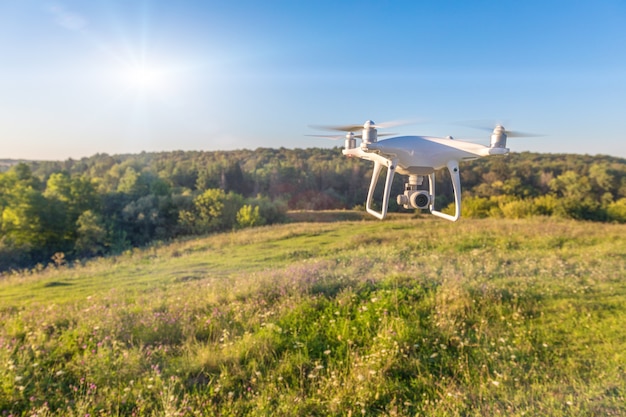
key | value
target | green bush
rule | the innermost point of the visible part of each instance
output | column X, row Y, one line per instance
column 545, row 204
column 249, row 216
column 578, row 209
column 212, row 211
column 476, row 207
column 616, row 211
column 519, row 209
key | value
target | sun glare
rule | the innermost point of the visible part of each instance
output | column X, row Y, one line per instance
column 146, row 78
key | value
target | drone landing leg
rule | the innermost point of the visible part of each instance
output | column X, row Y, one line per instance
column 453, row 167
column 391, row 170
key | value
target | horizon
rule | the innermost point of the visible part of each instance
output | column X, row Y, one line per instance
column 114, row 77
column 18, row 160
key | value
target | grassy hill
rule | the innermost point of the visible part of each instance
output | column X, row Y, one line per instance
column 410, row 316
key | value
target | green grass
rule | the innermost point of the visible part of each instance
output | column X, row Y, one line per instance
column 411, row 316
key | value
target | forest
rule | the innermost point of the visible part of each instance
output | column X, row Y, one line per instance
column 53, row 212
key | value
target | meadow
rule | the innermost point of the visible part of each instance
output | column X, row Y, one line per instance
column 402, row 317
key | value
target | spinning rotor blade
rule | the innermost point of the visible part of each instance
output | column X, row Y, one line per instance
column 517, row 134
column 490, row 126
column 333, row 137
column 381, row 135
column 394, row 123
column 346, row 128
column 339, row 137
column 354, row 128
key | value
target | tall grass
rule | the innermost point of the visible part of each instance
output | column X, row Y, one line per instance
column 402, row 317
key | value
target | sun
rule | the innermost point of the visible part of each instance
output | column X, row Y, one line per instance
column 146, row 78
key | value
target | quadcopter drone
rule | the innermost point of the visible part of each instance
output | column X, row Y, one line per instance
column 417, row 157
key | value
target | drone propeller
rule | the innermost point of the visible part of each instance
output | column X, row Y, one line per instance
column 367, row 124
column 339, row 137
column 510, row 133
column 332, row 137
column 481, row 125
column 518, row 134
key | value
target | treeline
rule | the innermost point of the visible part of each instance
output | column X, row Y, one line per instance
column 57, row 211
column 520, row 185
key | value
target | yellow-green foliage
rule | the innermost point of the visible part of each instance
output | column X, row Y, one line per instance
column 617, row 211
column 402, row 317
column 249, row 216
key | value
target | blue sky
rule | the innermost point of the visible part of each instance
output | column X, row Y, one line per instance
column 121, row 76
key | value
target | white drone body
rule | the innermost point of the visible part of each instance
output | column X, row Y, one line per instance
column 417, row 157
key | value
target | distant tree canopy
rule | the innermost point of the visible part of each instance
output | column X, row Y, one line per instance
column 106, row 204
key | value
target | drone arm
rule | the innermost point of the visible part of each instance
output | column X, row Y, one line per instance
column 453, row 167
column 379, row 162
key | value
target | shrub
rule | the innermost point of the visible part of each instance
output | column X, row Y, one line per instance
column 212, row 211
column 616, row 211
column 249, row 216
column 518, row 209
column 545, row 204
column 476, row 207
column 270, row 211
column 578, row 209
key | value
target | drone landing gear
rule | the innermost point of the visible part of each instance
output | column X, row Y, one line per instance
column 412, row 197
column 453, row 167
column 422, row 199
column 379, row 162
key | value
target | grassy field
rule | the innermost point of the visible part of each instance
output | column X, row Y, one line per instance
column 410, row 316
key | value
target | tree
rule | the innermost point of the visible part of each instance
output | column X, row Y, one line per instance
column 21, row 220
column 575, row 198
column 147, row 218
column 131, row 183
column 91, row 234
column 213, row 210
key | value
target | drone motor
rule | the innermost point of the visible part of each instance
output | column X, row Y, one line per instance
column 350, row 142
column 498, row 137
